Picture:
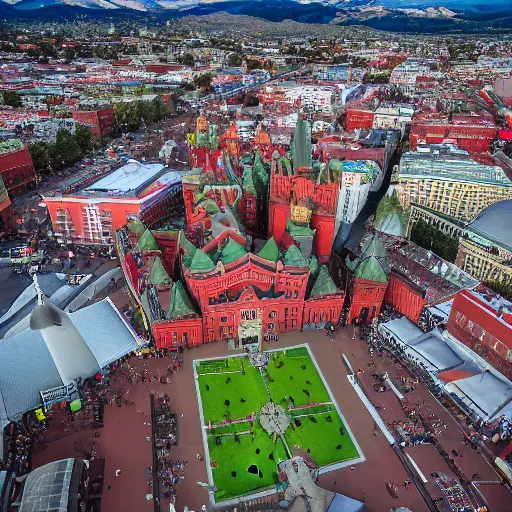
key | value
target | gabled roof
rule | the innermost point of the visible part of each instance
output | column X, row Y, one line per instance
column 324, row 285
column 201, row 262
column 157, row 274
column 181, row 304
column 231, row 252
column 147, row 242
column 269, row 251
column 294, row 258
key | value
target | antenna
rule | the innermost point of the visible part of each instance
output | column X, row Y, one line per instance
column 38, row 290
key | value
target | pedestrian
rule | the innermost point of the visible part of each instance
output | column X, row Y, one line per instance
column 118, row 472
column 406, row 484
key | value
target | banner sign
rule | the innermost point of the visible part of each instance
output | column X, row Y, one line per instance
column 59, row 394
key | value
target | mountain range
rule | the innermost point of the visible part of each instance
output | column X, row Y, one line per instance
column 403, row 15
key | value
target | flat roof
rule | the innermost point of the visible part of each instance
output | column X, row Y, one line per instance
column 131, row 179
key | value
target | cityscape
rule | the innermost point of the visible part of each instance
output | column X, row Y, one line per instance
column 255, row 256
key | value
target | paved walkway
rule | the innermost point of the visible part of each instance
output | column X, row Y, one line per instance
column 123, row 439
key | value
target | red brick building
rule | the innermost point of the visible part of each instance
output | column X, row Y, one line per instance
column 16, row 168
column 355, row 119
column 101, row 121
column 484, row 324
column 474, row 139
column 243, row 298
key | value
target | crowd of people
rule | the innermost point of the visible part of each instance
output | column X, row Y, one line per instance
column 169, row 471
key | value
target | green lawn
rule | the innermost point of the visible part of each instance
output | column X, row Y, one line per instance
column 216, row 388
column 288, row 374
column 290, row 379
column 323, row 438
column 238, row 457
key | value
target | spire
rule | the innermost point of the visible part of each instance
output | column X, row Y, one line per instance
column 301, row 145
column 324, row 284
column 181, row 304
column 232, row 251
column 372, row 263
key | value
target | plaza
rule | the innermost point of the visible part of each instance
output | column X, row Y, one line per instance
column 254, row 416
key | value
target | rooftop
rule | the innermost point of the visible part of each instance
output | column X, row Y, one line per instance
column 451, row 167
column 131, row 180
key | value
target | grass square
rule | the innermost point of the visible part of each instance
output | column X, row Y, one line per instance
column 231, row 389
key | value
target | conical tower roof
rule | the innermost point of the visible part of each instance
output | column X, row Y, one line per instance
column 181, row 304
column 313, row 265
column 189, row 249
column 324, row 285
column 269, row 251
column 147, row 242
column 157, row 274
column 294, row 258
column 231, row 252
column 201, row 262
column 372, row 263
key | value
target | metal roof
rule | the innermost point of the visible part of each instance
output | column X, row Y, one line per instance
column 26, row 366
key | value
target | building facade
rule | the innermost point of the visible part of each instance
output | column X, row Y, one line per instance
column 16, row 168
column 91, row 216
column 451, row 183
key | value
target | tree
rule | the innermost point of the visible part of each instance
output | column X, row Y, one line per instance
column 11, row 98
column 252, row 64
column 427, row 236
column 83, row 137
column 40, row 154
column 187, row 59
column 234, row 60
column 203, row 81
column 66, row 150
column 504, row 289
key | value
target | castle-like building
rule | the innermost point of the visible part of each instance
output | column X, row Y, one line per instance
column 253, row 258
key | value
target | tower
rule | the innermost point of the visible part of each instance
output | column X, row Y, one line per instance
column 370, row 273
column 70, row 353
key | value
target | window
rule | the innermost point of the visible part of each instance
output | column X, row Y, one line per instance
column 223, row 319
column 272, row 314
column 271, row 326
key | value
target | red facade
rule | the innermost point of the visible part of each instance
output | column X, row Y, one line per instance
column 474, row 139
column 476, row 324
column 17, row 172
column 100, row 121
column 297, row 190
column 405, row 297
column 187, row 332
column 358, row 119
column 366, row 299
